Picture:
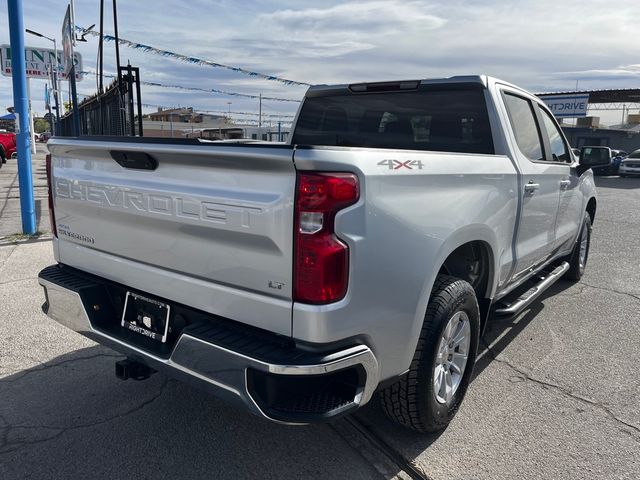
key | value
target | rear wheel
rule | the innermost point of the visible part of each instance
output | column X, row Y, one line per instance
column 580, row 254
column 428, row 396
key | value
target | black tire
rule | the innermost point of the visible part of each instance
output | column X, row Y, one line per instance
column 577, row 265
column 3, row 157
column 411, row 401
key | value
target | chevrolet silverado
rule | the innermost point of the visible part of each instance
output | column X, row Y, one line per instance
column 364, row 256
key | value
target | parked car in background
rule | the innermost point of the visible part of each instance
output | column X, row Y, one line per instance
column 616, row 160
column 631, row 164
column 7, row 146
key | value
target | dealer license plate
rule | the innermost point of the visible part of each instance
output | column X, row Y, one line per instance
column 146, row 316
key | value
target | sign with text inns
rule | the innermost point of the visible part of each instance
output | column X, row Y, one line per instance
column 39, row 62
column 567, row 105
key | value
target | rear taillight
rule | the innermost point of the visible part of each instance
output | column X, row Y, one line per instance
column 52, row 216
column 321, row 265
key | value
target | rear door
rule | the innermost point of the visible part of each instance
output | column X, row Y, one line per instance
column 540, row 183
column 570, row 207
column 203, row 224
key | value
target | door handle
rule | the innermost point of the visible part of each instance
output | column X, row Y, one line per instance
column 564, row 184
column 531, row 187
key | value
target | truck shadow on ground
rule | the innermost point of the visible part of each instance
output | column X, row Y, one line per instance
column 71, row 418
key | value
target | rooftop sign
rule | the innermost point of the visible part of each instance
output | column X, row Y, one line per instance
column 563, row 106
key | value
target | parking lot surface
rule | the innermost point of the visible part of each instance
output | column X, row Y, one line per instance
column 556, row 393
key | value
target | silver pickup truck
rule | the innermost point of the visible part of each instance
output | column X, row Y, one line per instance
column 363, row 256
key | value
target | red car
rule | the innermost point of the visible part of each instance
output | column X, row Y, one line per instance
column 7, row 146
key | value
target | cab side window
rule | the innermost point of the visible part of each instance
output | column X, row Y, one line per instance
column 559, row 151
column 525, row 127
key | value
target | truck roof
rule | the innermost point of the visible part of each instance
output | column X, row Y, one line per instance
column 399, row 85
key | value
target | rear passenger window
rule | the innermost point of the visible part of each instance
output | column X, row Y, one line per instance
column 559, row 152
column 524, row 126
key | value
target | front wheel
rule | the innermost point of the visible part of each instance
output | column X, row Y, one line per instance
column 580, row 254
column 427, row 397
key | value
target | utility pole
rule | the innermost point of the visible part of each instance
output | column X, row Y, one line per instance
column 101, row 50
column 260, row 112
column 20, row 101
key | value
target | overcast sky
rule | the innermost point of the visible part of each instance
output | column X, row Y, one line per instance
column 543, row 45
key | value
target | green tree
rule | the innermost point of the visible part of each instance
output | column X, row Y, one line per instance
column 41, row 125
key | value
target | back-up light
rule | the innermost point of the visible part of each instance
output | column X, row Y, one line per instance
column 52, row 216
column 321, row 265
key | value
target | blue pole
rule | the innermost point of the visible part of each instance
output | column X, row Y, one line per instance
column 21, row 105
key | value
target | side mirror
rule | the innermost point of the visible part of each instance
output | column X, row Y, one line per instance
column 594, row 157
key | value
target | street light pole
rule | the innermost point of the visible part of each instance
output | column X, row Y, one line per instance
column 56, row 89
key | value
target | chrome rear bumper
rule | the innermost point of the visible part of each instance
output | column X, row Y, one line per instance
column 234, row 375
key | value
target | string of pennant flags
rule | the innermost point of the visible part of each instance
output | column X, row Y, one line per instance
column 198, row 89
column 189, row 59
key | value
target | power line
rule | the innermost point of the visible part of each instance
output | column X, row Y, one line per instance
column 189, row 59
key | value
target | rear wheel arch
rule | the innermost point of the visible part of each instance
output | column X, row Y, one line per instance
column 474, row 262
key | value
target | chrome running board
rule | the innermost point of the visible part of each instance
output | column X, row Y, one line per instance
column 534, row 292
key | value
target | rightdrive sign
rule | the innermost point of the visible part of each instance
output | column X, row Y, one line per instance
column 567, row 105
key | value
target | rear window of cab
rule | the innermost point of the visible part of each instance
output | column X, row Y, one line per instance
column 435, row 120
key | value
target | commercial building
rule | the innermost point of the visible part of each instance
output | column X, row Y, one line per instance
column 589, row 132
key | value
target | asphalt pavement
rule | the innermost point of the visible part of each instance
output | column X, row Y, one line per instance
column 556, row 393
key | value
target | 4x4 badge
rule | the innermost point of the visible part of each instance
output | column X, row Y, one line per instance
column 397, row 164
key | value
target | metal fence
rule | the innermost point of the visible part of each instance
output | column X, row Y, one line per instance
column 111, row 113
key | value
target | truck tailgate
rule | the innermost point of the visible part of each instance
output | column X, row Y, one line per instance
column 211, row 226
